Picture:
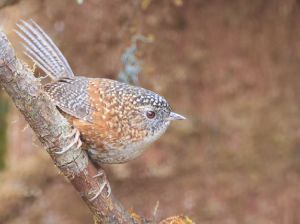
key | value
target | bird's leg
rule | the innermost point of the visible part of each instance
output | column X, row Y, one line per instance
column 105, row 182
column 73, row 141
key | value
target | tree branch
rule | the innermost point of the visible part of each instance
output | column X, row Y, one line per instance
column 26, row 91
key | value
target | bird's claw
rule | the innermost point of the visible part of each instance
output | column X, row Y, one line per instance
column 105, row 182
column 73, row 141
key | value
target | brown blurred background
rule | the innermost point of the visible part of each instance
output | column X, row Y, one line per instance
column 230, row 66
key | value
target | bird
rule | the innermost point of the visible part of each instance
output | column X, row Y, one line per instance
column 113, row 121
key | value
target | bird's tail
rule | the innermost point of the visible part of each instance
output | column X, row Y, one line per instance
column 44, row 52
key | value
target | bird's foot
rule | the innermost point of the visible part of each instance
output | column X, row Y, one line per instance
column 105, row 182
column 73, row 141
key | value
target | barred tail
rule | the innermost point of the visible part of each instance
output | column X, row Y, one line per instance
column 44, row 52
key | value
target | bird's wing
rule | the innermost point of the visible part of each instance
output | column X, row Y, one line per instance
column 44, row 52
column 71, row 96
column 67, row 91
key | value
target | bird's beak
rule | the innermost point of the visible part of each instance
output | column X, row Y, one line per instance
column 174, row 116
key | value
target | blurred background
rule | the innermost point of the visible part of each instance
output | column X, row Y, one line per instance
column 230, row 66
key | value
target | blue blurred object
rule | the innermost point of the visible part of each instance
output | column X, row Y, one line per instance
column 129, row 74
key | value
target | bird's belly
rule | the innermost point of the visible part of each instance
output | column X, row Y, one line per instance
column 113, row 155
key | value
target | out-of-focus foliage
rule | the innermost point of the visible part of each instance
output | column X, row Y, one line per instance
column 178, row 2
column 145, row 3
column 4, row 3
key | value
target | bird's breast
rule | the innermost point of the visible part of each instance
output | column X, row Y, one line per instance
column 112, row 154
column 122, row 150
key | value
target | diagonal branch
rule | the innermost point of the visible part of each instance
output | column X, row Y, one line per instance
column 17, row 79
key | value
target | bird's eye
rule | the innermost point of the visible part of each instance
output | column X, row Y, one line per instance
column 150, row 114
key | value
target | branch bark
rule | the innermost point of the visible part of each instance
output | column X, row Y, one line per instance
column 26, row 91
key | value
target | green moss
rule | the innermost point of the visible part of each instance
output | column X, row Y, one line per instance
column 3, row 125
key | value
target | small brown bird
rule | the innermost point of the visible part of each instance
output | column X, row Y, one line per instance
column 115, row 122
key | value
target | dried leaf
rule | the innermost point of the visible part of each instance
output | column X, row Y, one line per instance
column 188, row 220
